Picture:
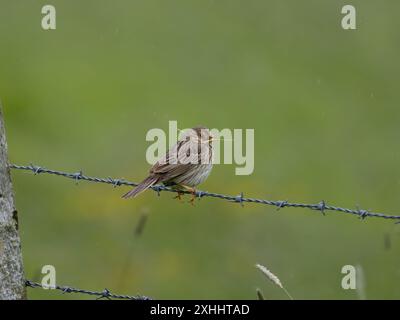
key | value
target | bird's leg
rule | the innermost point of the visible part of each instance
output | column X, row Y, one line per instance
column 179, row 195
column 177, row 188
column 192, row 192
column 180, row 188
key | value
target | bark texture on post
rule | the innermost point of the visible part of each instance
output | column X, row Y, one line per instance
column 12, row 280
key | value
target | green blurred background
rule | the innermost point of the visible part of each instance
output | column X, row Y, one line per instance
column 323, row 102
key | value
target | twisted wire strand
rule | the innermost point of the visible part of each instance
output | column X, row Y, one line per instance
column 105, row 294
column 321, row 206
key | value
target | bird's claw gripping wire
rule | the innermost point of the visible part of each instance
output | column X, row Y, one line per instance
column 193, row 194
column 179, row 196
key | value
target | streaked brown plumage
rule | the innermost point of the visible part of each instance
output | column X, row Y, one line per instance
column 187, row 164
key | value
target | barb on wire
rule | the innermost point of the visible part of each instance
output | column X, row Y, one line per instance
column 105, row 294
column 322, row 206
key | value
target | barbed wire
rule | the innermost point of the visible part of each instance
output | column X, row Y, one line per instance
column 322, row 206
column 105, row 294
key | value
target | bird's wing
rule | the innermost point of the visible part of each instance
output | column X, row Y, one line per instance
column 175, row 162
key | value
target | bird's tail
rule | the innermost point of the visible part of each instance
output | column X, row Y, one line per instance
column 145, row 184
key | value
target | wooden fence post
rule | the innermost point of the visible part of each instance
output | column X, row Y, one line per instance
column 12, row 280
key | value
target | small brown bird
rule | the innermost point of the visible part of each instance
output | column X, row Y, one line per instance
column 187, row 164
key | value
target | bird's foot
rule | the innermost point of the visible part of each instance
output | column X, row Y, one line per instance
column 179, row 196
column 193, row 196
column 182, row 190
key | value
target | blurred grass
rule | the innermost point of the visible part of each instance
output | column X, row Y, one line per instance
column 323, row 103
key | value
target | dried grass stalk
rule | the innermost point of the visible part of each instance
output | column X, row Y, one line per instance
column 272, row 277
